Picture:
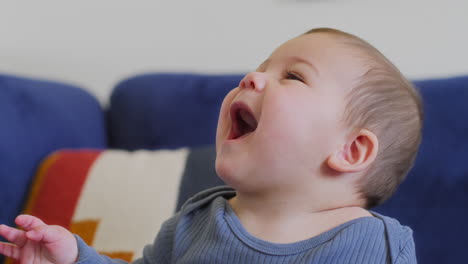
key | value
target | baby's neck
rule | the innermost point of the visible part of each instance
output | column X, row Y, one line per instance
column 288, row 221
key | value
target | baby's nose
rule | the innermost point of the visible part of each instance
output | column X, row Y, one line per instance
column 253, row 80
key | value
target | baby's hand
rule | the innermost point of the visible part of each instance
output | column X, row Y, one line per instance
column 38, row 243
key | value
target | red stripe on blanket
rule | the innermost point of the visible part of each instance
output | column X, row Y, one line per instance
column 58, row 185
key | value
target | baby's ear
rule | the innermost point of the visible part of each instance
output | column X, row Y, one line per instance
column 357, row 155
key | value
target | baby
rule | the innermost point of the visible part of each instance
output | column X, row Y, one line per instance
column 324, row 130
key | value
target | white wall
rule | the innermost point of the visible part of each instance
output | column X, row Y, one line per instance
column 97, row 43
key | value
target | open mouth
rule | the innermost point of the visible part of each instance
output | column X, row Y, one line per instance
column 243, row 121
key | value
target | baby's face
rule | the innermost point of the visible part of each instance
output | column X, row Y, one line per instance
column 280, row 124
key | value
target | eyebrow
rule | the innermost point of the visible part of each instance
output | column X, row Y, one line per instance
column 295, row 58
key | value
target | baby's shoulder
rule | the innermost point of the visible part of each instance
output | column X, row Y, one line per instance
column 399, row 237
column 369, row 228
column 382, row 227
column 393, row 228
column 374, row 239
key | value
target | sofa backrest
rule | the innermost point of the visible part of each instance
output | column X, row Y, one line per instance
column 167, row 110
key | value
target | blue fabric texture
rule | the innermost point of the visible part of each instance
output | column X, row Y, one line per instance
column 432, row 201
column 38, row 117
column 167, row 110
column 199, row 173
column 207, row 230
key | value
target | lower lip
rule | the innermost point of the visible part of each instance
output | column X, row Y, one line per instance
column 239, row 138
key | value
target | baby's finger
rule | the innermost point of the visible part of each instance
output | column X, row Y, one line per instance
column 13, row 235
column 28, row 222
column 46, row 233
column 9, row 250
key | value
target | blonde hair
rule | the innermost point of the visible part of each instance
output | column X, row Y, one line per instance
column 386, row 103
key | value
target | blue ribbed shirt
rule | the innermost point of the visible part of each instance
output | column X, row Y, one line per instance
column 206, row 230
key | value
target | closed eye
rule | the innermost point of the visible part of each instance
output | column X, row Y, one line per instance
column 294, row 76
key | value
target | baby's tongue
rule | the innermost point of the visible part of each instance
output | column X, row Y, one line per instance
column 248, row 119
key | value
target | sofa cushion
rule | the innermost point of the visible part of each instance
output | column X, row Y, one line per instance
column 115, row 200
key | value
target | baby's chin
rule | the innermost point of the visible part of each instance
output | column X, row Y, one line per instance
column 222, row 170
column 229, row 174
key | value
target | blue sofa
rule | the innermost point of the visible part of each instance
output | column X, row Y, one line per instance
column 166, row 111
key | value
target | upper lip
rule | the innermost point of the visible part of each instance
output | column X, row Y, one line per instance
column 238, row 128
